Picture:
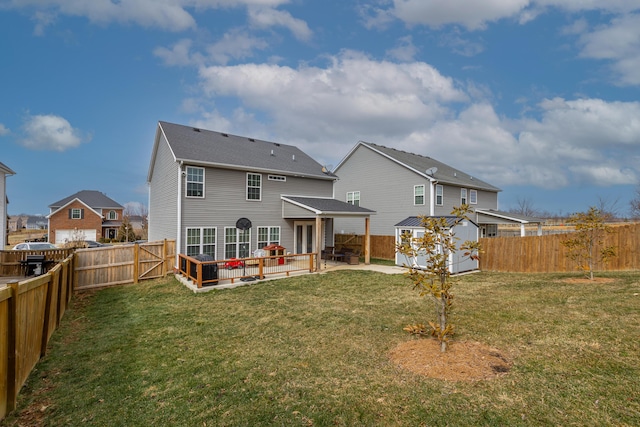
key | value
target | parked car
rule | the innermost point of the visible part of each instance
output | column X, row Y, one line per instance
column 30, row 246
column 94, row 244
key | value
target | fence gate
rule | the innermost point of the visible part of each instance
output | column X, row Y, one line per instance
column 151, row 258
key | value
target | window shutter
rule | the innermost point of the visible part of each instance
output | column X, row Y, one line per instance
column 81, row 213
column 69, row 213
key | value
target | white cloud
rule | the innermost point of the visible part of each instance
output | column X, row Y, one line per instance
column 170, row 15
column 618, row 42
column 4, row 130
column 235, row 44
column 265, row 17
column 178, row 55
column 405, row 50
column 50, row 132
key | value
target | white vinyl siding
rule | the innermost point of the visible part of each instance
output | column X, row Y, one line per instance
column 268, row 236
column 195, row 182
column 353, row 198
column 254, row 186
column 418, row 194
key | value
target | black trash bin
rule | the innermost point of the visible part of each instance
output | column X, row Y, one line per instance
column 209, row 271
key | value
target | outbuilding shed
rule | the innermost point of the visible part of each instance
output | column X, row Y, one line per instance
column 464, row 230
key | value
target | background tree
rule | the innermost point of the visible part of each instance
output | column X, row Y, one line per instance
column 609, row 208
column 125, row 232
column 434, row 279
column 586, row 248
column 635, row 204
column 524, row 207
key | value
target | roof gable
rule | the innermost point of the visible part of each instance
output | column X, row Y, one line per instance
column 217, row 149
column 6, row 170
column 427, row 167
column 91, row 198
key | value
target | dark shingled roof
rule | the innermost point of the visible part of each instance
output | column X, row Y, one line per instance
column 91, row 198
column 415, row 221
column 445, row 174
column 326, row 205
column 209, row 148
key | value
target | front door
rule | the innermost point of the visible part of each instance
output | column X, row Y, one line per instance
column 305, row 237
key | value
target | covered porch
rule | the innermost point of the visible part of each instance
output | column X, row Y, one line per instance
column 313, row 222
column 489, row 219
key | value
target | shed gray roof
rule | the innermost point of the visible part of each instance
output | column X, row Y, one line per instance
column 444, row 174
column 523, row 219
column 93, row 199
column 328, row 206
column 209, row 148
column 416, row 221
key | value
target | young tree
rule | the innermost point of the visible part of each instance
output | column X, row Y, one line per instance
column 635, row 204
column 586, row 247
column 125, row 232
column 434, row 279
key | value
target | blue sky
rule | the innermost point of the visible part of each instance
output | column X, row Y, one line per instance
column 537, row 97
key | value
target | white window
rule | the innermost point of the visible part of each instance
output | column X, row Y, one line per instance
column 201, row 240
column 112, row 215
column 268, row 236
column 418, row 194
column 353, row 198
column 75, row 213
column 195, row 182
column 237, row 243
column 473, row 197
column 439, row 195
column 254, row 186
column 463, row 196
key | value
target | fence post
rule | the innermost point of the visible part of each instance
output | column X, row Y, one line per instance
column 164, row 257
column 136, row 262
column 47, row 315
column 12, row 392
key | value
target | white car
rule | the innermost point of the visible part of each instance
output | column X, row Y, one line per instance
column 31, row 246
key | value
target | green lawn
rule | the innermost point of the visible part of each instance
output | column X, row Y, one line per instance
column 313, row 350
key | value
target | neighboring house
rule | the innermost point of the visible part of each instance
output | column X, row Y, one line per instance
column 36, row 222
column 4, row 201
column 85, row 215
column 202, row 184
column 15, row 223
column 463, row 230
column 397, row 184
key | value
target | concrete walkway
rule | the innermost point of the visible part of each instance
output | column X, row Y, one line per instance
column 387, row 269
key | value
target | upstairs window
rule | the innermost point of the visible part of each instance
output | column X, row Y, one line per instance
column 439, row 195
column 112, row 215
column 418, row 194
column 473, row 197
column 463, row 196
column 195, row 182
column 254, row 186
column 76, row 213
column 353, row 198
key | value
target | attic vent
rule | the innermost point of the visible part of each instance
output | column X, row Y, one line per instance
column 293, row 157
column 252, row 140
column 276, row 144
column 224, row 134
column 196, row 130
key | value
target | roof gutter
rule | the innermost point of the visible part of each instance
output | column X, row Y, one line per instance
column 179, row 214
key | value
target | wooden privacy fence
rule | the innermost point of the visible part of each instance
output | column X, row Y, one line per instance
column 382, row 247
column 11, row 261
column 121, row 264
column 547, row 254
column 30, row 311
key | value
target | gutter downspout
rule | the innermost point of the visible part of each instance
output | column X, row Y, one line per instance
column 432, row 197
column 179, row 216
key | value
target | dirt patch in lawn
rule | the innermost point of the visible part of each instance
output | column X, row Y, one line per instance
column 586, row 281
column 463, row 361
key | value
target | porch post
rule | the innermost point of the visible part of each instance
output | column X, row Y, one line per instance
column 367, row 241
column 318, row 241
column 522, row 231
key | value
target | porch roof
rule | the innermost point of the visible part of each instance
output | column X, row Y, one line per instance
column 326, row 206
column 507, row 217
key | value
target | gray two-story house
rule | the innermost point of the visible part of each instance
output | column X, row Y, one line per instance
column 203, row 184
column 398, row 184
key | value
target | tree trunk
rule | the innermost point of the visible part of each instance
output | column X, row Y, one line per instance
column 443, row 322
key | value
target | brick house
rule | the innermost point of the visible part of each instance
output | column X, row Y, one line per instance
column 85, row 215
